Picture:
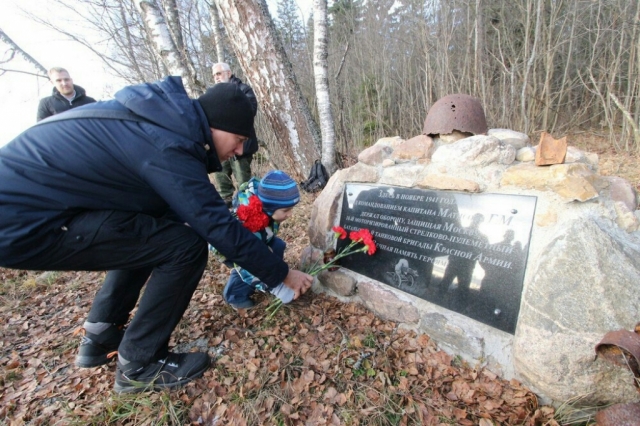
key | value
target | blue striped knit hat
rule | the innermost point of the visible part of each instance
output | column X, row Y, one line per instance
column 277, row 190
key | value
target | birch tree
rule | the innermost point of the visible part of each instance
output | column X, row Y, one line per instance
column 321, row 71
column 267, row 69
column 217, row 32
column 175, row 28
column 165, row 46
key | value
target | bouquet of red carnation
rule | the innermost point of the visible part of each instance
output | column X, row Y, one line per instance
column 252, row 216
column 363, row 236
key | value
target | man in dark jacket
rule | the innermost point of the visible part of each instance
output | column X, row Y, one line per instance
column 239, row 166
column 65, row 96
column 125, row 188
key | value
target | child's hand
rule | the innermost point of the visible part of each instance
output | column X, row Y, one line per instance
column 284, row 293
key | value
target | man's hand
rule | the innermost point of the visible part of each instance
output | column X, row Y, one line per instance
column 298, row 281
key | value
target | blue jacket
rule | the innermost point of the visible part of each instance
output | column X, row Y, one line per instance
column 54, row 170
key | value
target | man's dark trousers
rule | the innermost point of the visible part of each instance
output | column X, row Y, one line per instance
column 133, row 247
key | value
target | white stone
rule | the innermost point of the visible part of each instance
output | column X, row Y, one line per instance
column 456, row 135
column 528, row 153
column 390, row 141
column 516, row 139
column 401, row 175
column 479, row 150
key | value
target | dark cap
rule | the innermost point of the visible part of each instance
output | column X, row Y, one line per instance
column 228, row 109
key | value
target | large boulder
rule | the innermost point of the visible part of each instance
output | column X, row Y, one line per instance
column 583, row 283
column 583, row 268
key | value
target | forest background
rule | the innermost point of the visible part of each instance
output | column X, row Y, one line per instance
column 561, row 66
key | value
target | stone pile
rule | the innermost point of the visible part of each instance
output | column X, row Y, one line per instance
column 582, row 276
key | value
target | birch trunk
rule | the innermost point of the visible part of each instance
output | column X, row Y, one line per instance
column 160, row 35
column 321, row 72
column 173, row 20
column 268, row 70
column 217, row 33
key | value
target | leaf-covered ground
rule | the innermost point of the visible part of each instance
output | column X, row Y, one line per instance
column 317, row 361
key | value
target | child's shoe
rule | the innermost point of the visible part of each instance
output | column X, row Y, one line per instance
column 237, row 293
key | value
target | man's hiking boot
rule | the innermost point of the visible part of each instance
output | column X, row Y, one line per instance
column 98, row 349
column 173, row 371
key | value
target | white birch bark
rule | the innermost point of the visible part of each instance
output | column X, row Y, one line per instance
column 173, row 19
column 217, row 33
column 165, row 47
column 321, row 72
column 261, row 56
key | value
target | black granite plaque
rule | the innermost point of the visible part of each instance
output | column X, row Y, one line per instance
column 465, row 252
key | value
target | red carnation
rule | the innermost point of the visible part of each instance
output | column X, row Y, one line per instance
column 340, row 232
column 367, row 240
column 330, row 259
column 371, row 247
column 252, row 216
column 365, row 234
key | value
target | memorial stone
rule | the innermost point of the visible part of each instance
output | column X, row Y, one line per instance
column 465, row 252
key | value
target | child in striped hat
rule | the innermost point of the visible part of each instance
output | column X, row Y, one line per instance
column 261, row 206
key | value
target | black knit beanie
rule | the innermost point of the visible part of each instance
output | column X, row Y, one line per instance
column 228, row 109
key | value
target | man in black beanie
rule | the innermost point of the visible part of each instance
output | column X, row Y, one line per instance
column 228, row 109
column 239, row 166
column 123, row 186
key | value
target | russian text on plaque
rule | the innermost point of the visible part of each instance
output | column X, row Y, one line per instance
column 465, row 252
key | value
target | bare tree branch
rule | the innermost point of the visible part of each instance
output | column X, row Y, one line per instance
column 628, row 117
column 4, row 70
column 4, row 37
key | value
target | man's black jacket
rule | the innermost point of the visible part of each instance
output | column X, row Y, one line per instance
column 56, row 103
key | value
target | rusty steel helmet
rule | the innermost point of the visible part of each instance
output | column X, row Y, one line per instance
column 456, row 112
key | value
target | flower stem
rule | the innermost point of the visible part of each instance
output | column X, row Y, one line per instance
column 273, row 307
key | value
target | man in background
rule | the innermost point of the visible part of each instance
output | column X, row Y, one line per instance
column 239, row 166
column 65, row 96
